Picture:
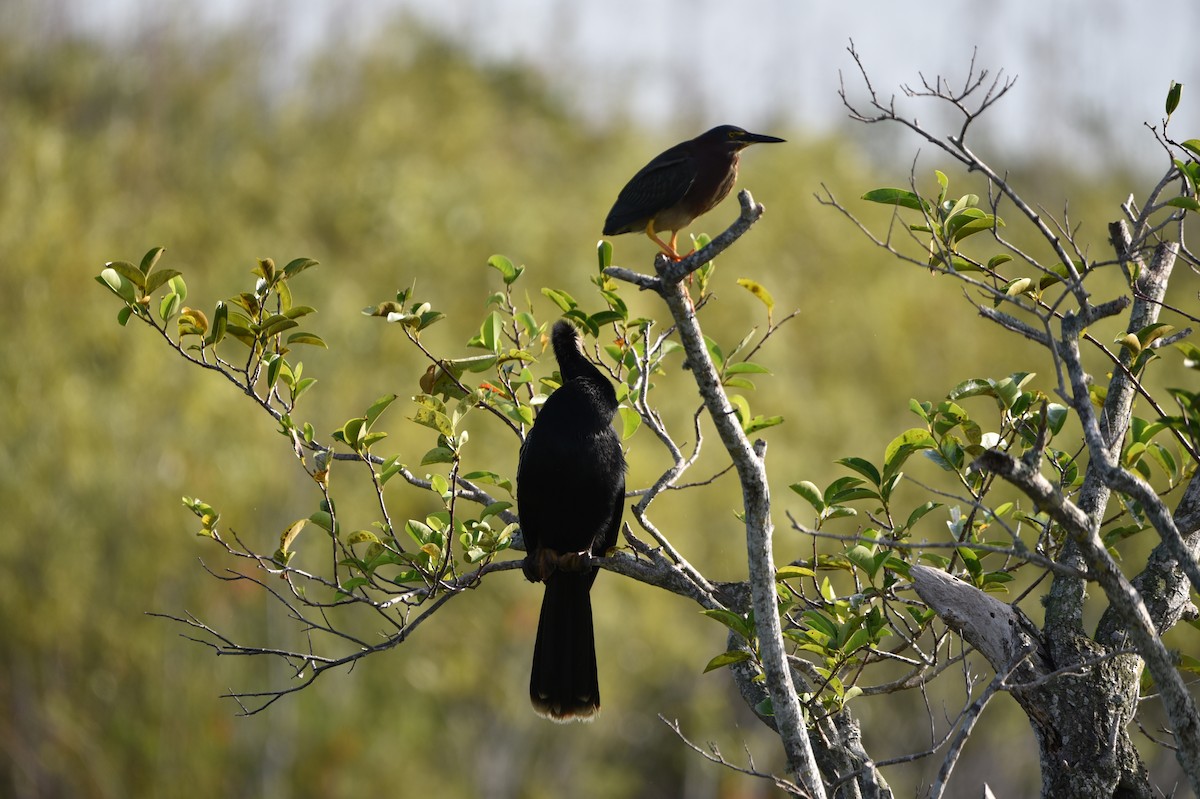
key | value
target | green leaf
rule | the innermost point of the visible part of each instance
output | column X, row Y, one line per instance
column 863, row 467
column 207, row 514
column 378, row 407
column 856, row 641
column 1056, row 416
column 839, row 492
column 604, row 252
column 491, row 333
column 275, row 324
column 168, row 306
column 995, row 578
column 112, row 279
column 307, row 338
column 322, row 519
column 631, row 420
column 1152, row 333
column 219, row 324
column 905, row 444
column 761, row 423
column 302, row 386
column 508, row 272
column 918, row 513
column 438, row 455
column 435, row 420
column 607, row 317
column 1192, row 146
column 150, row 259
column 156, row 280
column 734, row 621
column 1186, row 203
column 811, row 493
column 561, row 298
column 298, row 265
column 741, row 406
column 969, row 222
column 746, row 367
column 265, row 269
column 821, row 623
column 350, row 584
column 1173, row 97
column 943, row 183
column 900, row 197
column 274, row 363
column 727, row 659
column 864, row 559
column 129, row 272
column 793, row 572
column 1008, row 389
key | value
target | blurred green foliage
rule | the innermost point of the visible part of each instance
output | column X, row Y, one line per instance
column 398, row 163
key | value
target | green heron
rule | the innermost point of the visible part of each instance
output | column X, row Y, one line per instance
column 681, row 184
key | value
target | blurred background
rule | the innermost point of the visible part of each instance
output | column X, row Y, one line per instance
column 406, row 142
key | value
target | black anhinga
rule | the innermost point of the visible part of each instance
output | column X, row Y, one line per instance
column 570, row 495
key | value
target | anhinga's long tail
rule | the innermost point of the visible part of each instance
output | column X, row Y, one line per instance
column 563, row 685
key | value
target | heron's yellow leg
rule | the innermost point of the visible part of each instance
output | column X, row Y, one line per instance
column 669, row 249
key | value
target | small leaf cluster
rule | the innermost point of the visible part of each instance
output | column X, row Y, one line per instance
column 948, row 221
column 1189, row 165
column 265, row 320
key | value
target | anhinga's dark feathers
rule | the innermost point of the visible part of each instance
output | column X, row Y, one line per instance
column 570, row 495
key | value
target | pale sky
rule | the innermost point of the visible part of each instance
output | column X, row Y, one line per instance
column 1090, row 72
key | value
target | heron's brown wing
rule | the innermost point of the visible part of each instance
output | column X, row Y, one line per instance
column 659, row 185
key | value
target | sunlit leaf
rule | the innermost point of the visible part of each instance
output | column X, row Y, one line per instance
column 289, row 535
column 508, row 271
column 311, row 339
column 900, row 197
column 298, row 265
column 759, row 291
column 631, row 420
column 905, row 444
column 793, row 572
column 157, row 279
column 727, row 659
column 604, row 252
column 560, row 298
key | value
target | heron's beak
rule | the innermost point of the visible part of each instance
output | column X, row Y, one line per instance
column 761, row 138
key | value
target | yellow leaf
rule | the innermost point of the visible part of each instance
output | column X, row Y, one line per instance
column 759, row 291
column 289, row 535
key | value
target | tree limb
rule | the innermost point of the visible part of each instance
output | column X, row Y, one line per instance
column 748, row 459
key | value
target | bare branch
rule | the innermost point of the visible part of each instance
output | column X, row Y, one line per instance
column 713, row 755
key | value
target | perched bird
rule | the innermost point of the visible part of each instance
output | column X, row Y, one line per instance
column 570, row 492
column 681, row 184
